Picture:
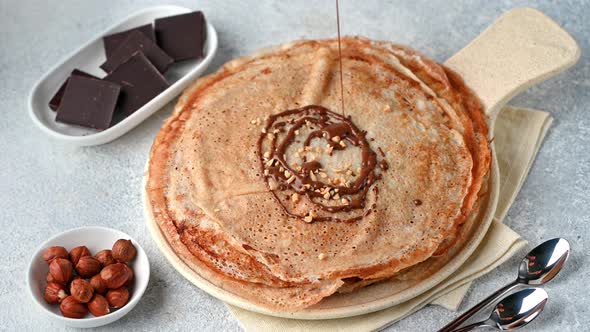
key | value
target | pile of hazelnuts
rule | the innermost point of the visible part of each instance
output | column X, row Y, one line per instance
column 80, row 282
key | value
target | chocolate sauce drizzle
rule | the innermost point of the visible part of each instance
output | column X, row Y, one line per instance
column 338, row 133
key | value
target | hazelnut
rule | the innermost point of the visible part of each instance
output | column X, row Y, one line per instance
column 78, row 252
column 105, row 257
column 118, row 297
column 61, row 270
column 123, row 250
column 81, row 290
column 71, row 308
column 54, row 293
column 131, row 275
column 115, row 275
column 99, row 306
column 88, row 266
column 98, row 284
column 69, row 284
column 54, row 252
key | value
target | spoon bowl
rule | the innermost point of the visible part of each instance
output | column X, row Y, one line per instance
column 519, row 309
column 514, row 311
column 544, row 262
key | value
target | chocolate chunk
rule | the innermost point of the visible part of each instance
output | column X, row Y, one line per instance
column 140, row 82
column 88, row 102
column 56, row 100
column 182, row 36
column 137, row 41
column 112, row 42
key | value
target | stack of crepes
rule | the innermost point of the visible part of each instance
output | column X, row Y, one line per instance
column 271, row 188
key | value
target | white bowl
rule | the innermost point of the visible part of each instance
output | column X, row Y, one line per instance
column 89, row 57
column 96, row 239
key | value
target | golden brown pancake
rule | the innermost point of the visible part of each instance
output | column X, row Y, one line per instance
column 265, row 187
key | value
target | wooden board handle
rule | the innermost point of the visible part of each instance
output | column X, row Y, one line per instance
column 522, row 48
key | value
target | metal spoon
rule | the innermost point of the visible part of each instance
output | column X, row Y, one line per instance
column 538, row 267
column 514, row 311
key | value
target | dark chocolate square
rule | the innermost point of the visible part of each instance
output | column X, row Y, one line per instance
column 182, row 36
column 88, row 102
column 140, row 82
column 112, row 42
column 137, row 41
column 56, row 100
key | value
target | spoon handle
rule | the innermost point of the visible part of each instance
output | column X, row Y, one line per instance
column 481, row 305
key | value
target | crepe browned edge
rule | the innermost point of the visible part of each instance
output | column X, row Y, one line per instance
column 425, row 68
column 443, row 81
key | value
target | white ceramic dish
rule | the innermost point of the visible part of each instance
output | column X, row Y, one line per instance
column 89, row 57
column 96, row 239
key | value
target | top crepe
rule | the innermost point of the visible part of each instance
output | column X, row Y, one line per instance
column 264, row 188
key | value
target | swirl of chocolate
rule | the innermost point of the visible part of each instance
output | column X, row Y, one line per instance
column 310, row 156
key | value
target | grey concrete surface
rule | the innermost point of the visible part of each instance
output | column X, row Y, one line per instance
column 48, row 187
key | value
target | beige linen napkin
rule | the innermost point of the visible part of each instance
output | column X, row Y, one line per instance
column 518, row 135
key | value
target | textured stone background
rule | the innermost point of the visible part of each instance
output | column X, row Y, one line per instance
column 48, row 187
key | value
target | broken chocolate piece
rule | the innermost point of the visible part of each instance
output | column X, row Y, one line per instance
column 140, row 82
column 137, row 41
column 56, row 100
column 88, row 102
column 112, row 42
column 182, row 36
